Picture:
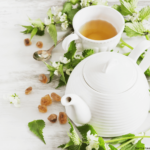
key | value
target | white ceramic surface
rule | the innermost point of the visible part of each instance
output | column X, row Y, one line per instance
column 95, row 13
column 114, row 103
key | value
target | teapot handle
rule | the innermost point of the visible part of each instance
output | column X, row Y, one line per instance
column 138, row 50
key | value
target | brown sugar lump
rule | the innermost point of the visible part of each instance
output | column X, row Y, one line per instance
column 28, row 90
column 56, row 97
column 43, row 78
column 62, row 118
column 42, row 108
column 46, row 100
column 39, row 44
column 27, row 42
column 52, row 118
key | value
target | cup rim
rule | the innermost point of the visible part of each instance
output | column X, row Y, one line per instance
column 98, row 41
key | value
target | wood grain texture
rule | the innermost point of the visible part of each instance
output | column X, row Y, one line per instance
column 18, row 70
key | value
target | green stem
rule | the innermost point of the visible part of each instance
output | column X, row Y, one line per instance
column 147, row 37
column 121, row 40
column 126, row 138
column 125, row 144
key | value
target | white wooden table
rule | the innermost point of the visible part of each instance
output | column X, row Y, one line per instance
column 18, row 70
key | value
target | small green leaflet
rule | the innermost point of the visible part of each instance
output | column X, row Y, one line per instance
column 36, row 127
column 34, row 31
column 71, row 51
column 49, row 13
column 84, row 129
column 62, row 73
column 28, row 29
column 72, row 13
column 87, row 52
column 112, row 147
column 101, row 144
column 128, row 7
column 37, row 23
column 73, row 135
column 61, row 82
column 144, row 13
column 50, row 68
column 134, row 29
column 117, row 7
column 53, row 32
column 67, row 7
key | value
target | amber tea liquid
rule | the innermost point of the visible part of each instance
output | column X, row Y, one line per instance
column 98, row 30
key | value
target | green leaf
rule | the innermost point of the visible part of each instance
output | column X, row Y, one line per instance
column 40, row 33
column 139, row 145
column 128, row 7
column 112, row 147
column 61, row 83
column 134, row 29
column 73, row 135
column 71, row 51
column 28, row 29
column 101, row 144
column 144, row 13
column 62, row 73
column 61, row 146
column 83, row 146
column 87, row 52
column 34, row 31
column 74, row 1
column 37, row 23
column 49, row 13
column 121, row 141
column 72, row 13
column 84, row 129
column 36, row 127
column 67, row 7
column 53, row 32
column 50, row 68
column 147, row 72
column 117, row 7
column 127, row 147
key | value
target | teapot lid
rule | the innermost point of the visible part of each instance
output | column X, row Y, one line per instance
column 110, row 73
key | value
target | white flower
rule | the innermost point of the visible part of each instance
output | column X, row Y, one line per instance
column 56, row 10
column 47, row 21
column 56, row 65
column 64, row 25
column 63, row 17
column 93, row 141
column 68, row 71
column 56, row 72
column 13, row 99
column 146, row 24
column 64, row 60
column 133, row 18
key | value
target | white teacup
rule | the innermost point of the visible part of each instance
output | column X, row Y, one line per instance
column 98, row 12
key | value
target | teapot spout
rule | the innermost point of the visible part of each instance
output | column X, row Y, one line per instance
column 77, row 110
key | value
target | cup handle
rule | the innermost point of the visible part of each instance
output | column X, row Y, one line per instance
column 66, row 42
column 138, row 50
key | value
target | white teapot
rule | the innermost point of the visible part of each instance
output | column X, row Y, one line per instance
column 109, row 91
